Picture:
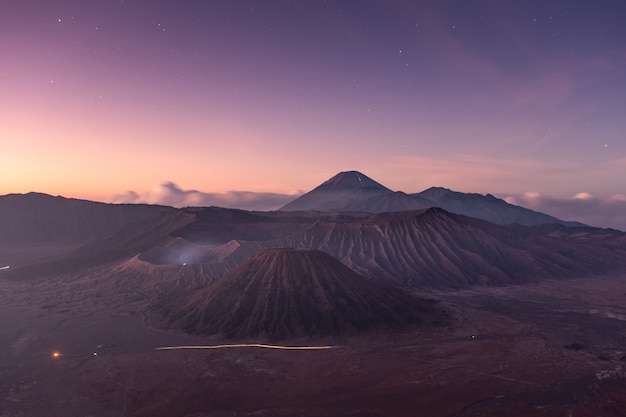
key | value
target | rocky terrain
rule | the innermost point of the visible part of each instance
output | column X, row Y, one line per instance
column 122, row 310
column 428, row 248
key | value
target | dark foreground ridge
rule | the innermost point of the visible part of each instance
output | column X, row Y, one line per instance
column 283, row 293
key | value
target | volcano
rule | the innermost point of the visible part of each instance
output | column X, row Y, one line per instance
column 344, row 189
column 286, row 293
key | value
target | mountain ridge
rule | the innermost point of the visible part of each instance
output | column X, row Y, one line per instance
column 350, row 197
column 428, row 248
column 38, row 218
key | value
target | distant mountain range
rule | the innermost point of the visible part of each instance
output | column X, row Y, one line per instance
column 36, row 218
column 137, row 246
column 354, row 191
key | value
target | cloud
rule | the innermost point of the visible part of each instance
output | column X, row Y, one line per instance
column 170, row 194
column 456, row 174
column 583, row 196
column 582, row 207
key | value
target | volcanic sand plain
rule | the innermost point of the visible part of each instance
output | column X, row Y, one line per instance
column 557, row 348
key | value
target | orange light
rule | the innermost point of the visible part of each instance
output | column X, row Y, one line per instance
column 56, row 354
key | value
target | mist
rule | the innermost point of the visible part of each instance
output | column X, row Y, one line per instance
column 170, row 194
column 583, row 207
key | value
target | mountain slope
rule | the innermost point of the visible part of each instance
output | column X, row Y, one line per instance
column 193, row 247
column 395, row 201
column 435, row 248
column 282, row 293
column 123, row 244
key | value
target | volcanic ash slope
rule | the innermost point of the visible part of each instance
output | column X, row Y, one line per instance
column 286, row 293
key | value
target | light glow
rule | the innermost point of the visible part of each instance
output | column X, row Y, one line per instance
column 256, row 345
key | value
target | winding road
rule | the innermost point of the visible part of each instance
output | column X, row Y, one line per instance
column 236, row 345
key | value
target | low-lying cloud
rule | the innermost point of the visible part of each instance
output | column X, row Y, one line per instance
column 582, row 207
column 170, row 194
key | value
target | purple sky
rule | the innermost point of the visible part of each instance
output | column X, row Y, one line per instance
column 524, row 100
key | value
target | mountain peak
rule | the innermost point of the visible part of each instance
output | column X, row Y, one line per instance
column 338, row 192
column 353, row 180
column 436, row 193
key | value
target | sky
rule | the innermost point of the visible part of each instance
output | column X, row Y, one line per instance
column 251, row 103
